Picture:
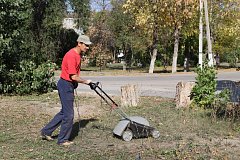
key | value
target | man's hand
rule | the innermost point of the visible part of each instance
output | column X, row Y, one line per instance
column 88, row 81
column 80, row 80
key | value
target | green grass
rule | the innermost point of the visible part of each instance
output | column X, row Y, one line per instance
column 185, row 133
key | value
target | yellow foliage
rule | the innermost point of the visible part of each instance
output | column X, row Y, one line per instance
column 166, row 11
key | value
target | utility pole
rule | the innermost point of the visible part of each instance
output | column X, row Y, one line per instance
column 200, row 61
column 209, row 42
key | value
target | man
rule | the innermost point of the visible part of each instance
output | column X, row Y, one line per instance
column 217, row 59
column 69, row 79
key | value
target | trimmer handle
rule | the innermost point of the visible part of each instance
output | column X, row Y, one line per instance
column 93, row 86
column 107, row 98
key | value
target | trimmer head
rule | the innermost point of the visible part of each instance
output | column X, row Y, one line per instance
column 134, row 127
column 128, row 127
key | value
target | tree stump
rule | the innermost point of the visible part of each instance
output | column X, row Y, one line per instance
column 183, row 91
column 129, row 95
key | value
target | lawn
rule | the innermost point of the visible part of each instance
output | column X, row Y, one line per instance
column 185, row 133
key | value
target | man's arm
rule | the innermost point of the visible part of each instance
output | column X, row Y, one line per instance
column 77, row 78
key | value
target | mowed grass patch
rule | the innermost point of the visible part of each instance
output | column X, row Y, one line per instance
column 185, row 133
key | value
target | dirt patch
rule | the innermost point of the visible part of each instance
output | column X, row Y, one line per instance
column 49, row 108
column 80, row 111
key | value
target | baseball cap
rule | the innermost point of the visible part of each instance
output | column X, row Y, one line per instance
column 84, row 39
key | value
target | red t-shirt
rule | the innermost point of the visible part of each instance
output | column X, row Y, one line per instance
column 71, row 64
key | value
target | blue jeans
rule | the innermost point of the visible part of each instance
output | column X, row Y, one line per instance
column 66, row 115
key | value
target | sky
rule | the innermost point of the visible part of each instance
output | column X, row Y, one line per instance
column 96, row 5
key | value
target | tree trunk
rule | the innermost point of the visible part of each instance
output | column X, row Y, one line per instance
column 153, row 59
column 183, row 91
column 129, row 95
column 124, row 65
column 154, row 50
column 209, row 42
column 175, row 54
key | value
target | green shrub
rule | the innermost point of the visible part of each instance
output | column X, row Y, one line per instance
column 220, row 103
column 2, row 76
column 203, row 93
column 43, row 78
column 92, row 62
column 30, row 78
column 158, row 63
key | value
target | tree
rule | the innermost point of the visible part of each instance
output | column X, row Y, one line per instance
column 45, row 23
column 81, row 13
column 155, row 14
column 126, row 36
column 101, row 35
column 29, row 33
column 148, row 19
column 225, row 22
column 180, row 14
column 12, row 16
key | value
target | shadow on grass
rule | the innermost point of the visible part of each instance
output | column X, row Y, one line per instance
column 91, row 69
column 170, row 71
column 80, row 124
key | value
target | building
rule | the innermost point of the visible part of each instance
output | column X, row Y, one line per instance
column 69, row 23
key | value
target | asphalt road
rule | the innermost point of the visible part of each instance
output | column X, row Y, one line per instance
column 163, row 85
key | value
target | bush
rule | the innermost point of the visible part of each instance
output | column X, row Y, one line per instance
column 43, row 78
column 158, row 63
column 220, row 104
column 30, row 78
column 203, row 93
column 2, row 76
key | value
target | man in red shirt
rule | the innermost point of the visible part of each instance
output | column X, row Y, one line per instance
column 69, row 79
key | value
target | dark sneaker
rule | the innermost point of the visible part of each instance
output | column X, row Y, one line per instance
column 46, row 137
column 66, row 143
